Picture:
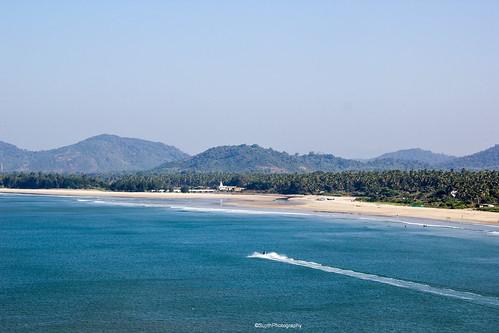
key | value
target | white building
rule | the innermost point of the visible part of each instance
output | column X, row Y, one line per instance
column 225, row 188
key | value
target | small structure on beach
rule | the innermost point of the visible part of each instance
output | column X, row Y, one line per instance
column 487, row 206
column 225, row 188
column 201, row 190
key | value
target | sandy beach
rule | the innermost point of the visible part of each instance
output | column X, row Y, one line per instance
column 306, row 203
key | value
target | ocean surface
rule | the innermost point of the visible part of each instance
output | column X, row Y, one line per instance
column 116, row 265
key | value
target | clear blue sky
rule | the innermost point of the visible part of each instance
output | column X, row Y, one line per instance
column 354, row 78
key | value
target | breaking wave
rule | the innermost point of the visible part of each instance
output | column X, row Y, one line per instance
column 193, row 208
column 126, row 204
column 236, row 211
column 420, row 224
column 463, row 295
column 429, row 225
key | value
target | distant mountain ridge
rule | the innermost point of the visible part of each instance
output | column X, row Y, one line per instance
column 417, row 154
column 13, row 158
column 110, row 153
column 485, row 159
column 98, row 154
column 253, row 158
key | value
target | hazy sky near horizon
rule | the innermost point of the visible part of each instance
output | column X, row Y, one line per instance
column 352, row 78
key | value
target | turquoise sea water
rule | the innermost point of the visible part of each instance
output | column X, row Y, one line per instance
column 100, row 265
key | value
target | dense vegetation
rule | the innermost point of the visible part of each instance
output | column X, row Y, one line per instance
column 486, row 159
column 246, row 158
column 430, row 188
column 37, row 180
column 111, row 153
column 253, row 158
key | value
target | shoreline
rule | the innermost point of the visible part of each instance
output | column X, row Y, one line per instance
column 297, row 203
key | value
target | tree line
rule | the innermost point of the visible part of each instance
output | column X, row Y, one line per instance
column 454, row 189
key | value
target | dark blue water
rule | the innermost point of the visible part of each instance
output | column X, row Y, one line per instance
column 72, row 266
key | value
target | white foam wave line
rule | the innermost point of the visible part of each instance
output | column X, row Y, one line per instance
column 421, row 224
column 430, row 225
column 470, row 227
column 463, row 295
column 194, row 209
column 126, row 204
column 256, row 212
column 493, row 233
column 236, row 211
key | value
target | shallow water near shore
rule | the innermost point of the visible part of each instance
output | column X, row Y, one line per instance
column 93, row 265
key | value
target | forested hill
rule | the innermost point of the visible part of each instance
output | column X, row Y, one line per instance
column 13, row 158
column 253, row 158
column 111, row 153
column 98, row 154
column 417, row 155
column 486, row 159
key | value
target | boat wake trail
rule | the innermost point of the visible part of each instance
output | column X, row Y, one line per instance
column 464, row 295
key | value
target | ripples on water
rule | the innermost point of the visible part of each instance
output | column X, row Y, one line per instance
column 99, row 265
